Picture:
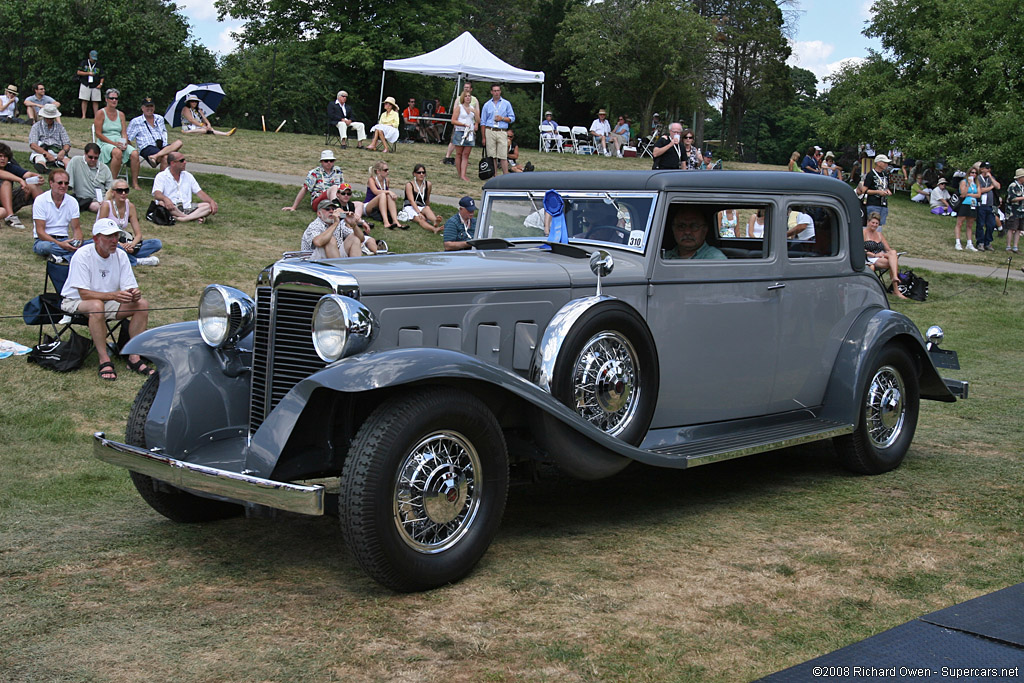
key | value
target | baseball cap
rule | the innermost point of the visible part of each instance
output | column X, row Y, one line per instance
column 148, row 102
column 105, row 226
column 817, row 149
column 326, row 154
column 986, row 164
column 884, row 159
column 329, row 204
column 93, row 54
column 468, row 204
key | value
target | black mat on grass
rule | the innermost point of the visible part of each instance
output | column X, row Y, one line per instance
column 998, row 615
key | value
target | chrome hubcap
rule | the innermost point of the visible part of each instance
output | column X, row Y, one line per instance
column 436, row 499
column 604, row 380
column 886, row 411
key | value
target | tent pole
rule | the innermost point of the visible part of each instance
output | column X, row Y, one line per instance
column 540, row 140
column 380, row 100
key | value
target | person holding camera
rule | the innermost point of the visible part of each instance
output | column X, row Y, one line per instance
column 331, row 233
column 55, row 216
column 150, row 136
column 876, row 186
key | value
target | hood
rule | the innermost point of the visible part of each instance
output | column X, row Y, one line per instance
column 486, row 270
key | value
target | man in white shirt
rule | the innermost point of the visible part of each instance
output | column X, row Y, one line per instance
column 602, row 132
column 800, row 226
column 55, row 216
column 174, row 186
column 101, row 284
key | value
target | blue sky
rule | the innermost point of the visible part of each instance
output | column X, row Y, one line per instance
column 828, row 32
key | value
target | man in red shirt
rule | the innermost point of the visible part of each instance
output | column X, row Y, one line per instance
column 411, row 126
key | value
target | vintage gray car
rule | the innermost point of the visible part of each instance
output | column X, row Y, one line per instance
column 387, row 389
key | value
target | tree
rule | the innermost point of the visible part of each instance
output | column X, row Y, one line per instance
column 948, row 85
column 636, row 54
column 144, row 45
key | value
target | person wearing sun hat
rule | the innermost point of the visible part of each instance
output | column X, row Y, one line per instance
column 9, row 105
column 601, row 131
column 386, row 130
column 48, row 140
column 321, row 182
column 101, row 284
column 938, row 199
column 1014, row 222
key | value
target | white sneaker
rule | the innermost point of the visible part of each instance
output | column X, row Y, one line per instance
column 382, row 247
column 14, row 221
column 970, row 247
column 958, row 247
column 607, row 153
column 148, row 261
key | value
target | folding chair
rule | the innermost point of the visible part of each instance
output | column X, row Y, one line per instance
column 59, row 321
column 568, row 141
column 330, row 132
column 126, row 163
column 581, row 140
column 550, row 144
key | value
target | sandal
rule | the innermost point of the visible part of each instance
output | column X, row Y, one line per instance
column 106, row 372
column 401, row 227
column 140, row 366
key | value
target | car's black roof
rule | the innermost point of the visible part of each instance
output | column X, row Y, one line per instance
column 669, row 180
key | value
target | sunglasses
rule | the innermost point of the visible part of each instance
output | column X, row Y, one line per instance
column 121, row 190
column 420, row 172
column 385, row 170
column 687, row 137
column 113, row 99
column 59, row 182
column 92, row 156
column 345, row 193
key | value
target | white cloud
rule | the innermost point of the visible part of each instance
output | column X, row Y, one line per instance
column 812, row 55
column 198, row 10
column 865, row 9
column 226, row 43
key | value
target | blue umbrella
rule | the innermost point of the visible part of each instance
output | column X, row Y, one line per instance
column 209, row 94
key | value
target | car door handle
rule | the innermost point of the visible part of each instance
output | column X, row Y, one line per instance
column 777, row 285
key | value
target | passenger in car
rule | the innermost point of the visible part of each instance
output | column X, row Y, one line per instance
column 689, row 227
column 800, row 226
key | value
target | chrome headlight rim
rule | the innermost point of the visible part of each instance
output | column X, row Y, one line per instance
column 226, row 315
column 341, row 327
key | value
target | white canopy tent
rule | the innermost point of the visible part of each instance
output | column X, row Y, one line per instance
column 462, row 58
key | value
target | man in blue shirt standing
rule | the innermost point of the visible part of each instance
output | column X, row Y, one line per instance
column 496, row 117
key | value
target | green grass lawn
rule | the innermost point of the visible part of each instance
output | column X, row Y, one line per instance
column 724, row 573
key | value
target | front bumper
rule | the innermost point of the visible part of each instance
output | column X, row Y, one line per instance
column 306, row 500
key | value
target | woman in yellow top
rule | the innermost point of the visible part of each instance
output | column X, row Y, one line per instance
column 386, row 130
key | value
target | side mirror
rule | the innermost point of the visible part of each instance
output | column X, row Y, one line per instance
column 601, row 264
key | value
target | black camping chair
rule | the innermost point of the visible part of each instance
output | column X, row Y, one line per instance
column 48, row 313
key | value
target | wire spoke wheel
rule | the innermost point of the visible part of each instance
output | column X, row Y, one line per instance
column 885, row 411
column 604, row 379
column 435, row 501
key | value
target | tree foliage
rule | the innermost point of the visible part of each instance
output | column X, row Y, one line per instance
column 144, row 47
column 638, row 56
column 947, row 84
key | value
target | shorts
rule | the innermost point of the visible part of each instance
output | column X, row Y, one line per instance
column 497, row 143
column 463, row 138
column 967, row 211
column 186, row 211
column 83, row 204
column 110, row 308
column 89, row 94
column 1014, row 223
column 149, row 150
column 19, row 198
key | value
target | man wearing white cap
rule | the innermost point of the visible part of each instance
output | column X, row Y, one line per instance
column 321, row 183
column 101, row 284
column 876, row 185
column 48, row 140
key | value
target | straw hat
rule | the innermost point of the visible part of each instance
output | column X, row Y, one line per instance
column 391, row 101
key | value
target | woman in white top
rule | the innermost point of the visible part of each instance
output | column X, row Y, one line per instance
column 194, row 121
column 466, row 120
column 755, row 226
column 117, row 208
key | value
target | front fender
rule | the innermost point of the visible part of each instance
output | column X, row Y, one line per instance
column 203, row 394
column 872, row 330
column 406, row 366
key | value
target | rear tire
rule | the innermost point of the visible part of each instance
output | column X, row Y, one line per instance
column 171, row 502
column 890, row 402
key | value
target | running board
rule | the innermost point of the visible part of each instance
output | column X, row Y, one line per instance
column 739, row 444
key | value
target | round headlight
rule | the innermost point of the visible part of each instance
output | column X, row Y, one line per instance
column 341, row 326
column 225, row 315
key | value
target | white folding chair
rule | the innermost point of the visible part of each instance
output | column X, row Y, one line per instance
column 567, row 138
column 581, row 140
column 553, row 141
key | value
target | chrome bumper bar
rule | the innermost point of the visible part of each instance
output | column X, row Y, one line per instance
column 307, row 500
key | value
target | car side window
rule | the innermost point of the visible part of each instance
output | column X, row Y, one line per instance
column 730, row 231
column 812, row 230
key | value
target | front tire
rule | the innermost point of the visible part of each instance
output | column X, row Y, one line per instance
column 423, row 488
column 890, row 401
column 173, row 503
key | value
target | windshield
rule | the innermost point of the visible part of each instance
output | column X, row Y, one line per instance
column 621, row 219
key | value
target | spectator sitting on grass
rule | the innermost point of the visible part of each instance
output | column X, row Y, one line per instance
column 919, row 191
column 55, row 216
column 90, row 179
column 37, row 100
column 321, row 183
column 48, row 140
column 117, row 208
column 938, row 199
column 330, row 234
column 174, row 186
column 18, row 188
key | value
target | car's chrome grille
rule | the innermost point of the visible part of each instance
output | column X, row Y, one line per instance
column 283, row 352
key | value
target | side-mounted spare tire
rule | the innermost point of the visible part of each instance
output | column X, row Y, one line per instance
column 171, row 502
column 607, row 372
